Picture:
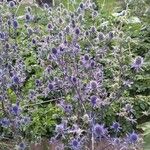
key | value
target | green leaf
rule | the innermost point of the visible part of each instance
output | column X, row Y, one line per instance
column 146, row 128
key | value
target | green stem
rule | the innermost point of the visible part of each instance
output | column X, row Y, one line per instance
column 103, row 4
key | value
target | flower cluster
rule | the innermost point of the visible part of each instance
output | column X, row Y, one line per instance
column 79, row 61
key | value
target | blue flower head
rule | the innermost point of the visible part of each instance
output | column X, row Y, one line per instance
column 86, row 33
column 28, row 17
column 101, row 36
column 68, row 108
column 2, row 35
column 86, row 57
column 93, row 85
column 15, row 110
column 54, row 51
column 116, row 126
column 137, row 63
column 1, row 97
column 92, row 63
column 111, row 34
column 50, row 86
column 93, row 29
column 133, row 137
column 49, row 26
column 93, row 100
column 81, row 5
column 73, row 23
column 22, row 146
column 5, row 122
column 37, row 82
column 59, row 128
column 60, row 20
column 33, row 41
column 77, row 31
column 99, row 130
column 80, row 18
column 16, row 79
column 48, row 69
column 7, row 46
column 75, row 144
column 67, row 29
column 15, row 24
column 30, row 31
column 26, row 120
column 73, row 79
column 128, row 108
column 12, row 4
column 8, row 22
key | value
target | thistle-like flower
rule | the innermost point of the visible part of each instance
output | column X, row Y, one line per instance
column 75, row 144
column 116, row 127
column 15, row 24
column 5, row 122
column 16, row 79
column 99, row 130
column 137, row 63
column 93, row 100
column 22, row 146
column 12, row 4
column 93, row 85
column 132, row 138
column 15, row 110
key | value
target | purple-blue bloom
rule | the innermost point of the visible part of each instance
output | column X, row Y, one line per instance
column 5, row 122
column 59, row 128
column 28, row 17
column 73, row 79
column 22, row 146
column 50, row 86
column 116, row 127
column 133, row 137
column 93, row 85
column 54, row 51
column 12, row 4
column 75, row 144
column 15, row 110
column 137, row 63
column 77, row 31
column 16, row 79
column 99, row 130
column 93, row 100
column 15, row 24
